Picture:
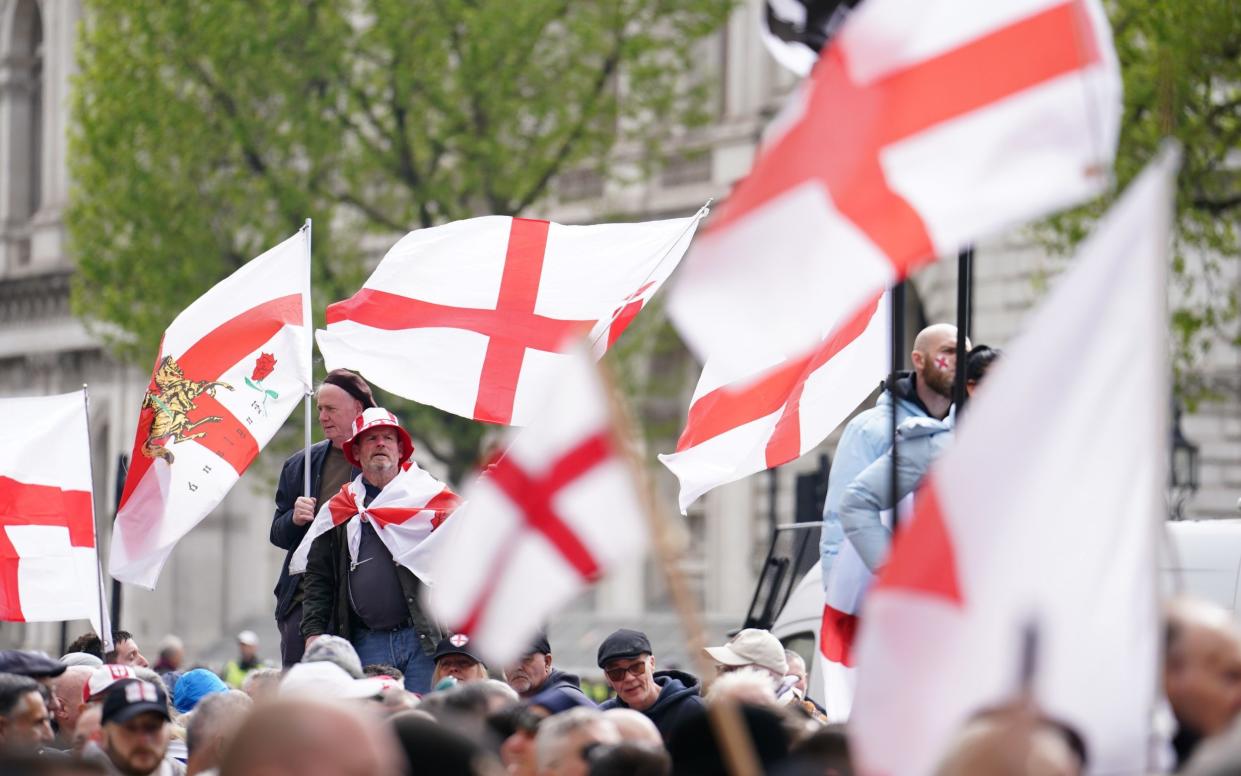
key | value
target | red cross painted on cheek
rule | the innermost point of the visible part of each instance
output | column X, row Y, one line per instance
column 941, row 362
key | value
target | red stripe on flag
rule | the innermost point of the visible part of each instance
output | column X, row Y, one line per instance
column 922, row 558
column 728, row 407
column 207, row 359
column 24, row 504
column 844, row 156
column 228, row 438
column 785, row 442
column 836, row 635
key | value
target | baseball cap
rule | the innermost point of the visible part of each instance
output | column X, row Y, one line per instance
column 456, row 644
column 35, row 665
column 752, row 646
column 624, row 643
column 80, row 659
column 104, row 677
column 540, row 644
column 195, row 685
column 248, row 637
column 128, row 698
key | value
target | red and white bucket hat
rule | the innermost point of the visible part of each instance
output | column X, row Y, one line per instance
column 375, row 417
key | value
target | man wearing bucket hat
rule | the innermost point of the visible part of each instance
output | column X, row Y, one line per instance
column 341, row 397
column 353, row 587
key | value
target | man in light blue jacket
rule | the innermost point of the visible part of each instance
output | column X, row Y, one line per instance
column 921, row 440
column 925, row 392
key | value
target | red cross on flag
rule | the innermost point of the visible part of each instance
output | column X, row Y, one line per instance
column 926, row 125
column 231, row 368
column 736, row 428
column 1045, row 515
column 473, row 316
column 558, row 510
column 49, row 567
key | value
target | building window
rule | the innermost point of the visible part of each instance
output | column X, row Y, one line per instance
column 22, row 109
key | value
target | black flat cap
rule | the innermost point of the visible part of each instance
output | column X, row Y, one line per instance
column 624, row 643
column 36, row 665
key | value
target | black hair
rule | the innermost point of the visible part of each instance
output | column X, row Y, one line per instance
column 978, row 361
column 12, row 688
column 117, row 637
column 383, row 669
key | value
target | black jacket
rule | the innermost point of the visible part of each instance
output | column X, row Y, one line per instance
column 562, row 690
column 325, row 593
column 286, row 534
column 678, row 699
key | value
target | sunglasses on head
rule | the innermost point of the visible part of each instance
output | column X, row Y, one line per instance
column 618, row 673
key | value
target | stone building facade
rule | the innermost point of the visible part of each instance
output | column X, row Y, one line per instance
column 219, row 579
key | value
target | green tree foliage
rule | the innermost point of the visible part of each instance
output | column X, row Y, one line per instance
column 205, row 132
column 1181, row 64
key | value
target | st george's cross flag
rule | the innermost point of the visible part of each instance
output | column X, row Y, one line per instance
column 404, row 514
column 473, row 317
column 925, row 125
column 230, row 369
column 736, row 428
column 49, row 564
column 1042, row 518
column 557, row 510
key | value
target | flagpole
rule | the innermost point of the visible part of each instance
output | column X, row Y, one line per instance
column 308, row 323
column 105, row 635
column 898, row 361
column 965, row 286
column 737, row 747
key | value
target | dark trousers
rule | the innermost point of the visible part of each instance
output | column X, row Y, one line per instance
column 292, row 642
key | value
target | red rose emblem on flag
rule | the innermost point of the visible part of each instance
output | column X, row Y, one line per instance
column 263, row 366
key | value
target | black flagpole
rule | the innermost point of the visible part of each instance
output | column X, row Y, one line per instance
column 965, row 293
column 898, row 362
column 122, row 469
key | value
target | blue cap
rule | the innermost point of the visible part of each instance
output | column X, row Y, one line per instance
column 195, row 685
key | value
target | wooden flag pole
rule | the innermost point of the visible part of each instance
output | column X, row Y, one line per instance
column 725, row 717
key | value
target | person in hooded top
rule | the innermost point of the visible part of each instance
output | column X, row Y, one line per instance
column 533, row 675
column 666, row 697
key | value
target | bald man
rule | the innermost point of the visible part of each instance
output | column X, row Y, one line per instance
column 1202, row 672
column 924, row 392
column 311, row 738
column 67, row 688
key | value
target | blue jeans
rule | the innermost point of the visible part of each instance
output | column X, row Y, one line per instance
column 399, row 648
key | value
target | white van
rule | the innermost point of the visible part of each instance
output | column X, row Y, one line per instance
column 1202, row 558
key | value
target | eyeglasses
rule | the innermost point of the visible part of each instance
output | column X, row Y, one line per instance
column 617, row 674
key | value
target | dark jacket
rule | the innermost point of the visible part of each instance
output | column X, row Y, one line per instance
column 678, row 699
column 563, row 690
column 325, row 593
column 286, row 534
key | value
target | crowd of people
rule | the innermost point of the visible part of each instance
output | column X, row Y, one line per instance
column 92, row 711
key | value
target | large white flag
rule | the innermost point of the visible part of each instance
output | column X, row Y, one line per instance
column 558, row 510
column 738, row 427
column 1043, row 515
column 474, row 316
column 925, row 125
column 231, row 368
column 49, row 565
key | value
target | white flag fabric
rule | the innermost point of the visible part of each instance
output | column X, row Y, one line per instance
column 404, row 514
column 554, row 513
column 964, row 117
column 473, row 317
column 49, row 565
column 1044, row 514
column 231, row 368
column 737, row 428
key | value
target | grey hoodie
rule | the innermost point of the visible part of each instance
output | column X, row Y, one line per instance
column 920, row 440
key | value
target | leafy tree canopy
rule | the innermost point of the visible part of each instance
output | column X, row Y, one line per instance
column 206, row 132
column 1181, row 64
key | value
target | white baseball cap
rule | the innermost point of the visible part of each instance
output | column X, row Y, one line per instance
column 249, row 638
column 104, row 677
column 752, row 647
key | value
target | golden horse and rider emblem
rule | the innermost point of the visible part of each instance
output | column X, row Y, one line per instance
column 172, row 396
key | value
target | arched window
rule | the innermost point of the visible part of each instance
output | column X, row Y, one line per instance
column 21, row 92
